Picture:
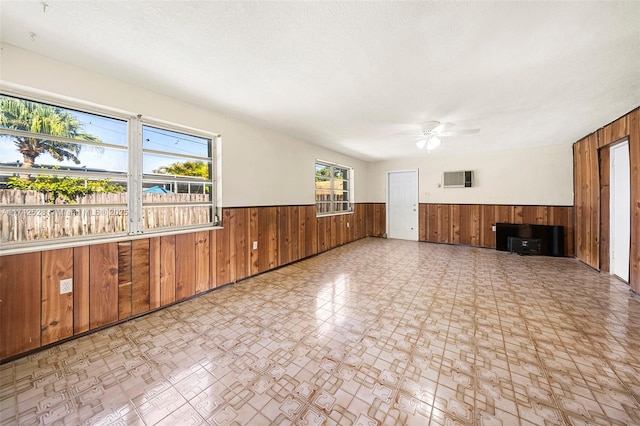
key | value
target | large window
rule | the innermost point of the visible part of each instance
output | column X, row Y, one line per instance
column 333, row 188
column 67, row 174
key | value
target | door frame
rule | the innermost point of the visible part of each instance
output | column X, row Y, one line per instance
column 388, row 210
column 612, row 220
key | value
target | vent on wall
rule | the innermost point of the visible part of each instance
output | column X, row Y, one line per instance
column 461, row 179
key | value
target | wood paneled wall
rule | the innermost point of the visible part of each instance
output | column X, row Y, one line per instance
column 591, row 193
column 587, row 200
column 119, row 280
column 471, row 224
column 20, row 304
column 376, row 219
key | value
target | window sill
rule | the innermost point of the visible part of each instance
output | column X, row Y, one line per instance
column 43, row 245
column 333, row 214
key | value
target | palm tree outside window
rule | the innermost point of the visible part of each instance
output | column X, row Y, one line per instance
column 65, row 174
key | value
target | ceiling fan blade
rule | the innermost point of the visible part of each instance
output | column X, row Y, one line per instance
column 443, row 127
column 429, row 126
column 415, row 133
column 459, row 132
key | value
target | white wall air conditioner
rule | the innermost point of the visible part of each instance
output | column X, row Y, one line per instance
column 461, row 179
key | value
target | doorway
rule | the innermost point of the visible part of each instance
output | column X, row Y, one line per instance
column 620, row 210
column 402, row 205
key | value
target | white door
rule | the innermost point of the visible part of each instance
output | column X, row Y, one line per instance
column 620, row 210
column 402, row 205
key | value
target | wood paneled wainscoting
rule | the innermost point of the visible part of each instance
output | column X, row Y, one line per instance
column 115, row 281
column 471, row 224
column 591, row 194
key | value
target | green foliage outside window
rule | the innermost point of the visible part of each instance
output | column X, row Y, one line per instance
column 187, row 168
column 322, row 173
column 64, row 188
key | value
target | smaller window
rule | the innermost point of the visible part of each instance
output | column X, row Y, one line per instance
column 177, row 179
column 333, row 188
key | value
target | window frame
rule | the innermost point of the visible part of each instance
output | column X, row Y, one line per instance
column 133, row 176
column 332, row 179
column 212, row 182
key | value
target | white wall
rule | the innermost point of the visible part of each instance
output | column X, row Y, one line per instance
column 530, row 176
column 262, row 167
column 259, row 166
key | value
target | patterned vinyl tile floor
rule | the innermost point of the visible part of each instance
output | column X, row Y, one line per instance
column 378, row 332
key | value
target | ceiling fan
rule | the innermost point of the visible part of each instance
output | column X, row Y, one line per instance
column 432, row 131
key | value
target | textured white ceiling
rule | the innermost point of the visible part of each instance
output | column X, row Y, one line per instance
column 351, row 76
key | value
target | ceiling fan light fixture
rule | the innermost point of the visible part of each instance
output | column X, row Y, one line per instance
column 433, row 143
column 432, row 131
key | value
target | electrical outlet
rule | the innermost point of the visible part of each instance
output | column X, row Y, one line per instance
column 255, row 245
column 493, row 228
column 347, row 224
column 66, row 286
